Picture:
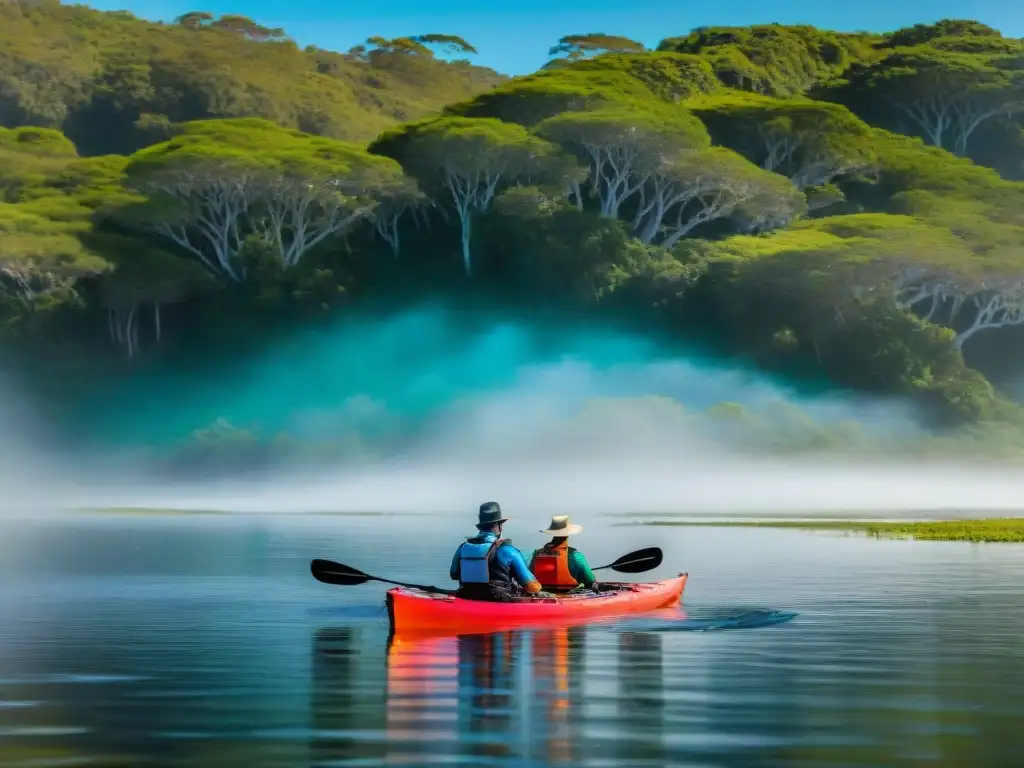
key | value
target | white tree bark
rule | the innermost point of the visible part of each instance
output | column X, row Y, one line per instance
column 799, row 155
column 969, row 116
column 948, row 120
column 659, row 198
column 387, row 228
column 822, row 168
column 614, row 174
column 389, row 213
column 210, row 225
column 123, row 325
column 26, row 281
column 933, row 114
column 297, row 215
column 689, row 192
column 715, row 205
column 780, row 148
column 221, row 207
column 994, row 303
column 576, row 194
column 994, row 308
column 18, row 282
column 132, row 331
column 471, row 194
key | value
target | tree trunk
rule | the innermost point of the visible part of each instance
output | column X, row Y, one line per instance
column 130, row 333
column 467, row 261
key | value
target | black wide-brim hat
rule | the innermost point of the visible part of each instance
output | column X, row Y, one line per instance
column 490, row 514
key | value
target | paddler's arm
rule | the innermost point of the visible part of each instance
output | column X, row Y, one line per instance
column 520, row 572
column 580, row 569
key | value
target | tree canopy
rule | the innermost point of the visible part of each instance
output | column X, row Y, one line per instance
column 233, row 23
column 941, row 95
column 845, row 204
column 811, row 143
column 950, row 29
column 103, row 78
column 219, row 182
column 579, row 46
column 531, row 99
column 468, row 161
column 774, row 59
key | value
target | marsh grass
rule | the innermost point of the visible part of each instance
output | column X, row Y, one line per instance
column 1005, row 530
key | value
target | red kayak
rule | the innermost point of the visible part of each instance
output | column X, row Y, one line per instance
column 412, row 610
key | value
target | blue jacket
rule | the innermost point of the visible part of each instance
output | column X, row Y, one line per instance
column 507, row 559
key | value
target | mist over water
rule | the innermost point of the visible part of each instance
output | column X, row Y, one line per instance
column 33, row 472
column 437, row 411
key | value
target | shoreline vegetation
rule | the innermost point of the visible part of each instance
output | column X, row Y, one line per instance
column 178, row 199
column 992, row 529
column 989, row 530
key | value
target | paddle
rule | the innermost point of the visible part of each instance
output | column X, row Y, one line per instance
column 346, row 576
column 635, row 562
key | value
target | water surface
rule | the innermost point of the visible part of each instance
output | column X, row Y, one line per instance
column 203, row 641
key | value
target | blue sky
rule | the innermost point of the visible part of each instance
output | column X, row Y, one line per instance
column 514, row 38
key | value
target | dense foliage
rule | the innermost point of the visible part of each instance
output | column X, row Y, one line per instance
column 772, row 59
column 805, row 198
column 114, row 83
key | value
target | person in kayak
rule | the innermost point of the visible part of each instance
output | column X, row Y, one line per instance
column 487, row 566
column 559, row 567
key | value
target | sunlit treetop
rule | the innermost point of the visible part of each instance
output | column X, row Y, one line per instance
column 574, row 47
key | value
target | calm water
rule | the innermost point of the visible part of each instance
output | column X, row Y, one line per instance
column 204, row 642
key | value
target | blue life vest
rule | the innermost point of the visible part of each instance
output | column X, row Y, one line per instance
column 477, row 563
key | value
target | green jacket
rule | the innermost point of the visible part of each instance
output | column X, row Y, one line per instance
column 578, row 566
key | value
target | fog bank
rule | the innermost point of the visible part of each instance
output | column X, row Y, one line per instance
column 441, row 416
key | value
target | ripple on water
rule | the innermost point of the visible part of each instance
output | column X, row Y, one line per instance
column 850, row 652
column 725, row 619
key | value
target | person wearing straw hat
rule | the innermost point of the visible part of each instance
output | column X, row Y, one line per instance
column 487, row 566
column 559, row 567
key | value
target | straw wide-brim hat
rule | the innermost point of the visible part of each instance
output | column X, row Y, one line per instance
column 560, row 526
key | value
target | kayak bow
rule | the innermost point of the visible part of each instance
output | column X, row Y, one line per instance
column 412, row 610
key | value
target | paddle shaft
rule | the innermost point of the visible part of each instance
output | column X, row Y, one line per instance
column 343, row 575
column 423, row 587
column 338, row 574
column 612, row 565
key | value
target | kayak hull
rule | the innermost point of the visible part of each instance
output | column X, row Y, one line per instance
column 412, row 610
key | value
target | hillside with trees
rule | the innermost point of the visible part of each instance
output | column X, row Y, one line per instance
column 114, row 83
column 836, row 205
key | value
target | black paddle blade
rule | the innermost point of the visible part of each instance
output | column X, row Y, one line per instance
column 639, row 561
column 335, row 573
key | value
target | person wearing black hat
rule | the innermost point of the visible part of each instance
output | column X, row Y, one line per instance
column 487, row 566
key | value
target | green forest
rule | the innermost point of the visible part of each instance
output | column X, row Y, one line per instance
column 849, row 206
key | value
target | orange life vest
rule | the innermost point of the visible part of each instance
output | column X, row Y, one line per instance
column 551, row 567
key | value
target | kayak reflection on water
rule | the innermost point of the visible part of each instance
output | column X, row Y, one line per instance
column 496, row 698
column 469, row 690
column 520, row 695
column 552, row 690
